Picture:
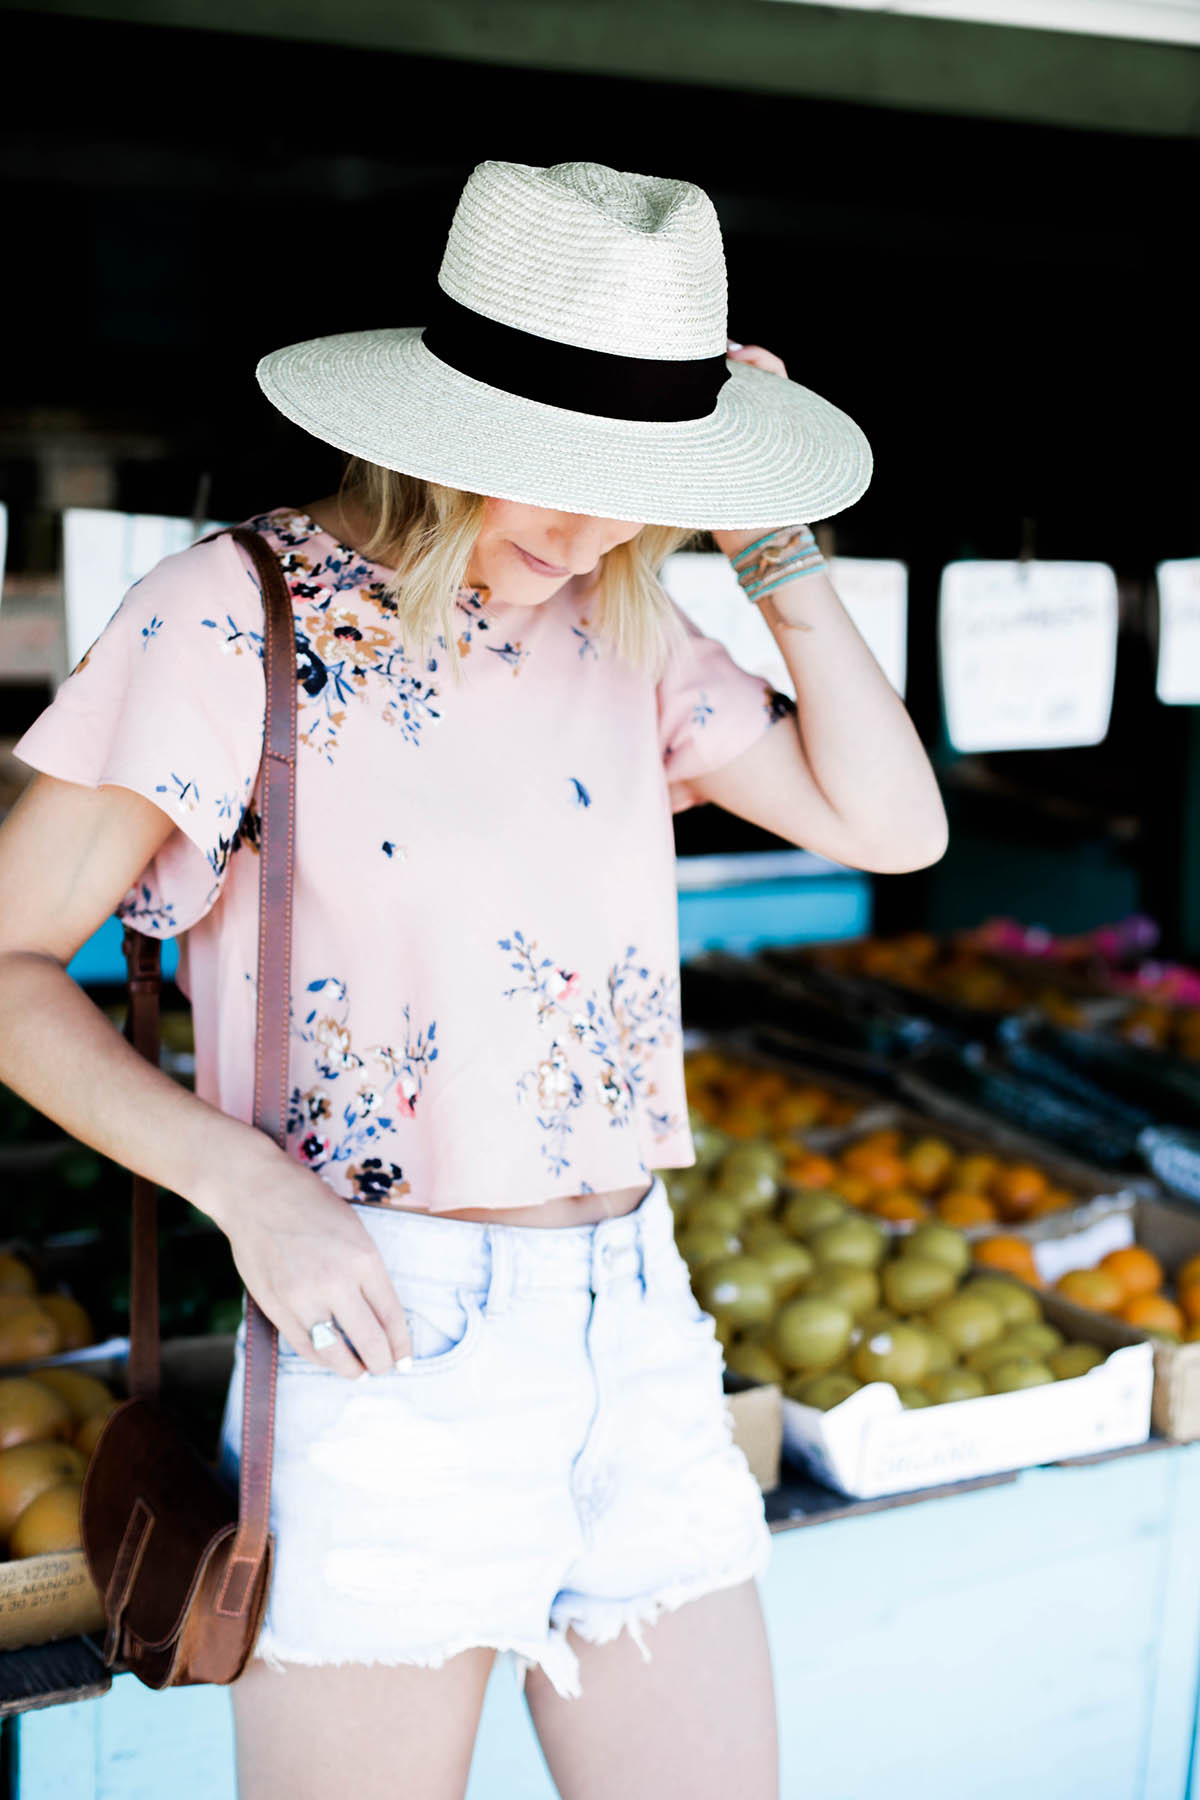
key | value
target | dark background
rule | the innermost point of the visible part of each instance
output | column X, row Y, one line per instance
column 1001, row 306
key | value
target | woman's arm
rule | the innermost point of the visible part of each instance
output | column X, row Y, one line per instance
column 68, row 855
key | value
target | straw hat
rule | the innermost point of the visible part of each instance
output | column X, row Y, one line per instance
column 575, row 358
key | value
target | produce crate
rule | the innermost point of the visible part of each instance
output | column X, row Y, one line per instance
column 47, row 1598
column 1172, row 1234
column 1106, row 1199
column 746, row 1046
column 870, row 1445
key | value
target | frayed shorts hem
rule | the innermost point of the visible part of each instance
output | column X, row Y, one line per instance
column 595, row 1623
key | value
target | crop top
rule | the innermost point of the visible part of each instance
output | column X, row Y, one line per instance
column 485, row 960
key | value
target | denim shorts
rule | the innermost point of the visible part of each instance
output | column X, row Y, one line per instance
column 559, row 1455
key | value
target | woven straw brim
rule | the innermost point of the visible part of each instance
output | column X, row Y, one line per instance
column 772, row 453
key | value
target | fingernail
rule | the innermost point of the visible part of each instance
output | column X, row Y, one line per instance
column 404, row 1364
column 734, row 346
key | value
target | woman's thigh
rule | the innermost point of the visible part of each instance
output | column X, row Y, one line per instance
column 358, row 1731
column 697, row 1719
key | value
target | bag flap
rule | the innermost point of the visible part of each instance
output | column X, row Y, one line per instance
column 147, row 1481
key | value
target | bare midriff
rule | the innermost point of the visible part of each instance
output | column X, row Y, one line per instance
column 566, row 1209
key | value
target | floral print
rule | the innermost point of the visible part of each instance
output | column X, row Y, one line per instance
column 383, row 1088
column 634, row 1014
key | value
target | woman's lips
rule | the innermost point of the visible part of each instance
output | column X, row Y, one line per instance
column 537, row 565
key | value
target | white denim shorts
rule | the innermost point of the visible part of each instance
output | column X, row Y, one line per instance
column 559, row 1455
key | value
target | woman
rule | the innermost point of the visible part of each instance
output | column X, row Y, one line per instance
column 499, row 1421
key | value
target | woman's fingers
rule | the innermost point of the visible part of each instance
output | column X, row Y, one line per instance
column 377, row 1286
column 758, row 357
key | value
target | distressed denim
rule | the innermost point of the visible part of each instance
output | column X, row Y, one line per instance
column 559, row 1455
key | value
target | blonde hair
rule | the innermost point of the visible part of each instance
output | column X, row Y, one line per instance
column 426, row 533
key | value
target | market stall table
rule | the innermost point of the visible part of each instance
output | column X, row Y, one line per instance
column 1029, row 1634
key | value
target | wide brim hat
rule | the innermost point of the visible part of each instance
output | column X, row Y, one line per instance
column 574, row 357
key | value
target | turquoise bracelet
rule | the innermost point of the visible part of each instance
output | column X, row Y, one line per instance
column 788, row 572
column 802, row 532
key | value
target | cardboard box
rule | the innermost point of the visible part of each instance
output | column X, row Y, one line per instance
column 756, row 1413
column 1171, row 1232
column 43, row 1598
column 869, row 1445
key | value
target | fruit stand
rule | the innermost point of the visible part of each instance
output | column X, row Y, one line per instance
column 964, row 1361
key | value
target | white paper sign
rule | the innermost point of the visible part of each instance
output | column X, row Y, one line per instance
column 104, row 553
column 1028, row 653
column 873, row 592
column 1178, row 680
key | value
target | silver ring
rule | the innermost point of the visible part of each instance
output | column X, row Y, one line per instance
column 323, row 1334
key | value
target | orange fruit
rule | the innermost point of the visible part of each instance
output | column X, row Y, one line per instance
column 1153, row 1312
column 742, row 1121
column 73, row 1321
column 974, row 1171
column 1055, row 1199
column 87, row 1431
column 1016, row 1188
column 1009, row 1253
column 854, row 1189
column 808, row 1169
column 841, row 1112
column 1136, row 1269
column 49, row 1523
column 26, row 1329
column 869, row 1154
column 27, row 1469
column 1189, row 1301
column 962, row 1207
column 799, row 1110
column 1190, row 1272
column 927, row 1164
column 898, row 1204
column 16, row 1276
column 29, row 1411
column 1192, row 1334
column 1093, row 1288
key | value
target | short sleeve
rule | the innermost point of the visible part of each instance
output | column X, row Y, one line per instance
column 169, row 702
column 710, row 709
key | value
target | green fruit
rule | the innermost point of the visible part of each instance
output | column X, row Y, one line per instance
column 811, row 1334
column 822, row 1391
column 788, row 1264
column 709, row 1143
column 900, row 1354
column 1007, row 1377
column 915, row 1283
column 760, row 1231
column 750, row 1174
column 998, row 1350
column 684, row 1185
column 855, row 1289
column 736, row 1288
column 754, row 1361
column 911, row 1395
column 1017, row 1305
column 701, row 1247
column 1075, row 1359
column 967, row 1320
column 940, row 1243
column 811, row 1208
column 1036, row 1340
column 715, row 1212
column 879, row 1318
column 941, row 1350
column 948, row 1385
column 852, row 1240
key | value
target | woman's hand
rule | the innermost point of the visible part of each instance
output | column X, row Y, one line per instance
column 304, row 1254
column 732, row 541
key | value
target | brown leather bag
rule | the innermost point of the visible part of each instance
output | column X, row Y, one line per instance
column 183, row 1562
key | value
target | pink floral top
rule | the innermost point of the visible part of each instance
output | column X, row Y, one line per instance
column 485, row 966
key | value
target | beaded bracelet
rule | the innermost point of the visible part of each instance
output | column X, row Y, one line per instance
column 782, row 555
